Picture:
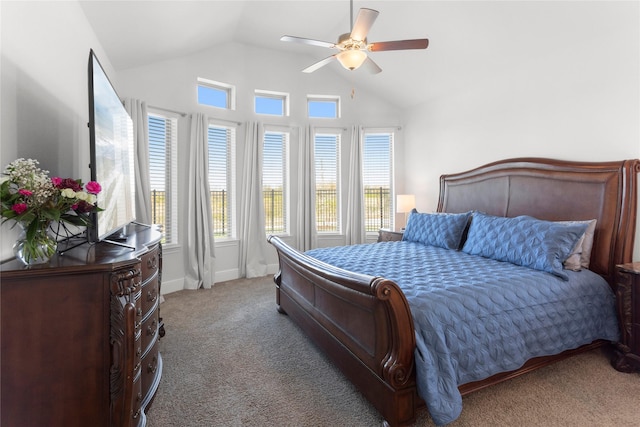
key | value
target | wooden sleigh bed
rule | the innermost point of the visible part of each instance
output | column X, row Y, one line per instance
column 364, row 324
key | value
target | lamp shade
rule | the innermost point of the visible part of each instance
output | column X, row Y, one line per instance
column 405, row 202
column 352, row 58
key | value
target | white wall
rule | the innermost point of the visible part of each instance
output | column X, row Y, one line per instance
column 43, row 86
column 565, row 85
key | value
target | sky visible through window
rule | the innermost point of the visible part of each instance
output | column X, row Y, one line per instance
column 323, row 109
column 212, row 96
column 269, row 105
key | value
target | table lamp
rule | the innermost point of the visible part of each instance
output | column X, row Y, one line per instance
column 404, row 204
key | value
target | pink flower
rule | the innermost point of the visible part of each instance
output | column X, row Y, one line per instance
column 25, row 192
column 56, row 181
column 93, row 187
column 19, row 208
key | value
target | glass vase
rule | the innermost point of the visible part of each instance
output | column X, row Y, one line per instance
column 35, row 248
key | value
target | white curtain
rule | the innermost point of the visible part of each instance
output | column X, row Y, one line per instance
column 200, row 268
column 138, row 111
column 306, row 236
column 354, row 227
column 253, row 243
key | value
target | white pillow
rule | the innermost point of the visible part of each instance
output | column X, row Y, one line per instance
column 580, row 256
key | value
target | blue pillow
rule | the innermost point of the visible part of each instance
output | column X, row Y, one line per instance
column 523, row 240
column 437, row 229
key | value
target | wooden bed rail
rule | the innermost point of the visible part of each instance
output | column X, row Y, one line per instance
column 362, row 323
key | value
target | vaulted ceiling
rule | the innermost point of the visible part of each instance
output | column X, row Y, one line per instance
column 467, row 38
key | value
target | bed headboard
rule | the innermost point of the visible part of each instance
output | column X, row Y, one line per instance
column 556, row 190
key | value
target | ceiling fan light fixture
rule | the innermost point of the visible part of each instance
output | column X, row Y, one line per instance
column 351, row 59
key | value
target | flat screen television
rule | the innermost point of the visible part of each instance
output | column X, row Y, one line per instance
column 112, row 157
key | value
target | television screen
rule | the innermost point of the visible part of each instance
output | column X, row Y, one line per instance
column 112, row 156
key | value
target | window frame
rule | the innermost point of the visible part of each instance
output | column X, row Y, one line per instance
column 337, row 133
column 324, row 98
column 391, row 201
column 229, row 89
column 171, row 181
column 230, row 174
column 286, row 185
column 283, row 96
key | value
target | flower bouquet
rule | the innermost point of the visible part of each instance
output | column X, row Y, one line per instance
column 33, row 200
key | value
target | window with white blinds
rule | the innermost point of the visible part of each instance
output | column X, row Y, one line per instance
column 377, row 174
column 163, row 174
column 274, row 182
column 221, row 142
column 327, row 174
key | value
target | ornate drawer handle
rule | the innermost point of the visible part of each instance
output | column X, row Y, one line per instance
column 151, row 297
column 153, row 365
column 152, row 262
column 136, row 415
column 137, row 367
column 151, row 329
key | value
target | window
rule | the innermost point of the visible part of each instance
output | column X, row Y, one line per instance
column 274, row 181
column 326, row 107
column 327, row 170
column 163, row 174
column 272, row 103
column 377, row 171
column 216, row 94
column 221, row 142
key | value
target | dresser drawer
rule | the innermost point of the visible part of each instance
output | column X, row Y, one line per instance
column 150, row 263
column 149, row 368
column 149, row 297
column 149, row 332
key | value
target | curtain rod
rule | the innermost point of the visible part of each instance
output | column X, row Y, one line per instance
column 168, row 110
column 215, row 119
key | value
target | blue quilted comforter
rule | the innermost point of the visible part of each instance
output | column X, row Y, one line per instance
column 475, row 317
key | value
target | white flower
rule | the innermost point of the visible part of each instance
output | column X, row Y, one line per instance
column 82, row 195
column 68, row 193
column 92, row 199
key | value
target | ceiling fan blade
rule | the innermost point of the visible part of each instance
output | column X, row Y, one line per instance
column 371, row 66
column 319, row 64
column 364, row 21
column 311, row 42
column 399, row 45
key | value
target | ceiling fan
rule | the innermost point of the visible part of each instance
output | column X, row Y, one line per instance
column 353, row 46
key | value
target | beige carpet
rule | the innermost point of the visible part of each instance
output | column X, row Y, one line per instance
column 230, row 359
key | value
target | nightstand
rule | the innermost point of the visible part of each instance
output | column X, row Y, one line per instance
column 627, row 357
column 385, row 235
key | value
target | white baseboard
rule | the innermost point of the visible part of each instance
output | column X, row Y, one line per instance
column 169, row 286
column 223, row 276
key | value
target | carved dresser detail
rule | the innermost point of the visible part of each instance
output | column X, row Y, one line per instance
column 627, row 358
column 79, row 336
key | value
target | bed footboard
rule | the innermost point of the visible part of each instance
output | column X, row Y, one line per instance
column 362, row 324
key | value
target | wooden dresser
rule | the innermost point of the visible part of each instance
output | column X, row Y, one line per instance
column 79, row 336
